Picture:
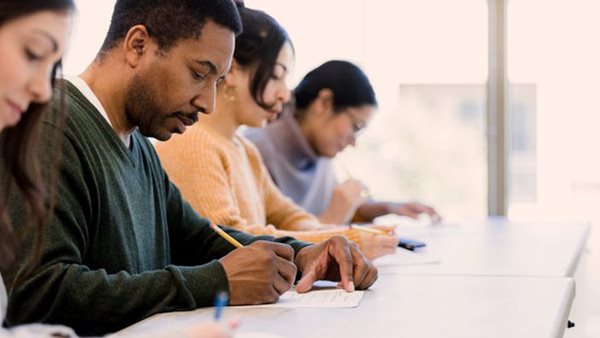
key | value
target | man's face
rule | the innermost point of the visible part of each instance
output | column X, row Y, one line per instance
column 169, row 91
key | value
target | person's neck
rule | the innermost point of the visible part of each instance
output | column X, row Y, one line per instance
column 110, row 89
column 222, row 120
column 304, row 122
column 309, row 125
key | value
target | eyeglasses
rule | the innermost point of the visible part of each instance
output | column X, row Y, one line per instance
column 358, row 125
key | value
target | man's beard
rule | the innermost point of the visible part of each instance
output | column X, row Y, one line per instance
column 143, row 111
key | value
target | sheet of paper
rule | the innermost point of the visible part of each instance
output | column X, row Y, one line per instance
column 319, row 298
column 406, row 257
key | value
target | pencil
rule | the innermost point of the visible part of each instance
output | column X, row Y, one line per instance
column 226, row 236
column 364, row 192
column 370, row 230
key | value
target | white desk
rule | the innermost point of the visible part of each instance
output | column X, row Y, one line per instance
column 415, row 306
column 497, row 248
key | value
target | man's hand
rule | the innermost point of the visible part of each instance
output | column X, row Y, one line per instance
column 335, row 259
column 259, row 273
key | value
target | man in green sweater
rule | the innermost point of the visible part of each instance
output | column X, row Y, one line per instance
column 123, row 244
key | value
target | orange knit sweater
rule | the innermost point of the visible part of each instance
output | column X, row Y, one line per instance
column 227, row 182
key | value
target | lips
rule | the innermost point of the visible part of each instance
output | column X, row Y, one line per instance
column 16, row 107
column 273, row 114
column 188, row 120
column 184, row 120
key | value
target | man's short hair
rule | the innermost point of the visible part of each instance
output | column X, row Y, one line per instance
column 169, row 21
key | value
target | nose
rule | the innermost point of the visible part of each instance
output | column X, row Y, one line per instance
column 205, row 100
column 285, row 95
column 40, row 87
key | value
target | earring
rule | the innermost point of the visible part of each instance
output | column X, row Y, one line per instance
column 230, row 93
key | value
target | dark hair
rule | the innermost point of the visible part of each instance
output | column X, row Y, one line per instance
column 258, row 46
column 18, row 146
column 169, row 21
column 14, row 9
column 349, row 84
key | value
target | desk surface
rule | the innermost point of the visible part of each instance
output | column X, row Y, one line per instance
column 414, row 306
column 496, row 248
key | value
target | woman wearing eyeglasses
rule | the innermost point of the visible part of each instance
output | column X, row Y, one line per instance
column 333, row 105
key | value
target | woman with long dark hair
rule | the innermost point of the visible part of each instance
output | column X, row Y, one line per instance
column 33, row 35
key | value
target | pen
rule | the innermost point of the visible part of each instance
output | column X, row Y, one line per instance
column 226, row 236
column 370, row 230
column 220, row 302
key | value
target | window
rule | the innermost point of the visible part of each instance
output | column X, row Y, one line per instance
column 553, row 68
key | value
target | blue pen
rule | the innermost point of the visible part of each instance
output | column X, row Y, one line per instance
column 220, row 302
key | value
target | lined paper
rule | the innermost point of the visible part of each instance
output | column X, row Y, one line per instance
column 325, row 298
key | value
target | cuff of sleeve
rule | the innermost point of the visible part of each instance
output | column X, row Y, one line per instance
column 294, row 243
column 205, row 281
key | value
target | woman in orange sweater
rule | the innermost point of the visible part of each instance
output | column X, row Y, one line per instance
column 222, row 174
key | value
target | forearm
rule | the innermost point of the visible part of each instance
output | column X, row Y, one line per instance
column 313, row 236
column 335, row 216
column 95, row 302
column 269, row 234
column 367, row 212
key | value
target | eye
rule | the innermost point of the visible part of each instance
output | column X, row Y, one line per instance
column 31, row 56
column 198, row 76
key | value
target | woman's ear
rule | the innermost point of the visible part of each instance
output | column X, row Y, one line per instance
column 233, row 77
column 324, row 102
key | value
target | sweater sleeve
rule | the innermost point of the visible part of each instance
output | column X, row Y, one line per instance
column 62, row 289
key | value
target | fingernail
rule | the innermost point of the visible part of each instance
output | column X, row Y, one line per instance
column 351, row 287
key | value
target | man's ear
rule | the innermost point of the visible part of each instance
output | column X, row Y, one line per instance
column 136, row 44
column 324, row 102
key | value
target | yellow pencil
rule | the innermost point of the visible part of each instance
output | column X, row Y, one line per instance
column 371, row 230
column 226, row 236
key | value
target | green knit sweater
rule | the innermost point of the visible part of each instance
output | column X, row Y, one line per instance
column 123, row 244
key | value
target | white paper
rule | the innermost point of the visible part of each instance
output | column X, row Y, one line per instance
column 406, row 257
column 324, row 298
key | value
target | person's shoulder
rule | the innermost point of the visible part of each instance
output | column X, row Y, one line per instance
column 70, row 105
column 195, row 139
column 249, row 146
column 255, row 133
column 259, row 136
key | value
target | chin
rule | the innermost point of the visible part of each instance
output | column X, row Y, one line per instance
column 258, row 124
column 329, row 153
column 164, row 135
column 159, row 135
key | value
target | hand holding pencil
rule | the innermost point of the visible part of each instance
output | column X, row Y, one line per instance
column 376, row 240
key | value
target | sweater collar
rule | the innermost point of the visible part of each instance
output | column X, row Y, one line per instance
column 291, row 142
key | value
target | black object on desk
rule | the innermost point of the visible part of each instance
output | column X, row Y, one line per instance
column 410, row 244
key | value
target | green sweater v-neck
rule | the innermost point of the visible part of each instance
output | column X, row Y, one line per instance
column 123, row 244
